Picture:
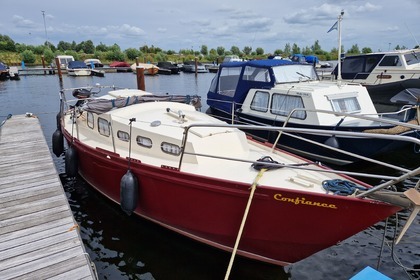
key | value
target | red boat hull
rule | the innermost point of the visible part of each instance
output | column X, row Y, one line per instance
column 283, row 226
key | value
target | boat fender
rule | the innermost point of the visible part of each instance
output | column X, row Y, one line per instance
column 71, row 162
column 57, row 142
column 128, row 192
column 58, row 120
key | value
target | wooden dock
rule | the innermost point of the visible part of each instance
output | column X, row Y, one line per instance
column 39, row 238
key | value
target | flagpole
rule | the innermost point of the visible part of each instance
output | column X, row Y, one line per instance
column 340, row 18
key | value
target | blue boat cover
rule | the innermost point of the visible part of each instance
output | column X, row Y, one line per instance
column 216, row 99
column 77, row 64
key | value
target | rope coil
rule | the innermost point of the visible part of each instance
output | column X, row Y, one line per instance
column 341, row 187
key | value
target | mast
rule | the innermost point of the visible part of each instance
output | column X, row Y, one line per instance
column 340, row 18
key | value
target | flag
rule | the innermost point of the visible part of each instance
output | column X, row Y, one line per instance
column 335, row 26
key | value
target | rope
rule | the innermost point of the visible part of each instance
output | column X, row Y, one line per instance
column 238, row 238
column 341, row 187
column 8, row 117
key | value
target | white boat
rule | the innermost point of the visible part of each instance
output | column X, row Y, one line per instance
column 78, row 68
column 64, row 60
column 392, row 78
column 93, row 63
column 149, row 69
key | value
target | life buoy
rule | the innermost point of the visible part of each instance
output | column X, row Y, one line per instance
column 71, row 162
column 57, row 142
column 128, row 192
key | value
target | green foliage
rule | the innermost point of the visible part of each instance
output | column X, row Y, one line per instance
column 235, row 50
column 48, row 55
column 132, row 53
column 28, row 56
column 7, row 44
column 220, row 51
column 259, row 51
column 247, row 50
column 115, row 55
column 204, row 50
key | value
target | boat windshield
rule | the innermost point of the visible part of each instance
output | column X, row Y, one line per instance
column 294, row 73
column 412, row 58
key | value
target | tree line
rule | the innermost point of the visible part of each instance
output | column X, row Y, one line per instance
column 10, row 50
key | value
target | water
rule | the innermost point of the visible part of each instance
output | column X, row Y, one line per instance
column 125, row 247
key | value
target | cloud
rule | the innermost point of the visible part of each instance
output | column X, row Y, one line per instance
column 368, row 7
column 22, row 22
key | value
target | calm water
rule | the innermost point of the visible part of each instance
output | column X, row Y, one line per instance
column 131, row 248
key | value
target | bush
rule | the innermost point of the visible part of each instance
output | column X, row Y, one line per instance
column 28, row 56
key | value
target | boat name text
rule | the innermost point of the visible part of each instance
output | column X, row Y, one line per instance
column 302, row 200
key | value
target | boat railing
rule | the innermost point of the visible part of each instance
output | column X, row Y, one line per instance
column 293, row 131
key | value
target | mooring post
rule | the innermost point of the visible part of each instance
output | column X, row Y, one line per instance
column 140, row 78
column 196, row 66
column 57, row 63
column 43, row 64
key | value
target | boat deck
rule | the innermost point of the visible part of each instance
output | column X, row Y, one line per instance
column 39, row 237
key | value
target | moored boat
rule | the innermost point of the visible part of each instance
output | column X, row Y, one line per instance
column 392, row 78
column 189, row 172
column 78, row 68
column 149, row 69
column 282, row 93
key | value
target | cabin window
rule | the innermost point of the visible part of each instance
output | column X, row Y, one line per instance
column 90, row 120
column 228, row 81
column 171, row 149
column 144, row 141
column 283, row 104
column 346, row 104
column 390, row 60
column 103, row 127
column 412, row 58
column 260, row 101
column 256, row 74
column 353, row 64
column 123, row 136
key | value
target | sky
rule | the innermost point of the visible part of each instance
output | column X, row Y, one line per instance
column 185, row 24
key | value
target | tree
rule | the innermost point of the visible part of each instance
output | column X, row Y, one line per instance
column 316, row 48
column 220, row 50
column 247, row 50
column 366, row 50
column 48, row 55
column 101, row 47
column 278, row 52
column 295, row 48
column 132, row 53
column 259, row 51
column 7, row 44
column 354, row 49
column 287, row 50
column 235, row 50
column 63, row 46
column 89, row 47
column 28, row 56
column 204, row 50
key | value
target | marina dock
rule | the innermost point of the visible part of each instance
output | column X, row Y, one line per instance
column 39, row 238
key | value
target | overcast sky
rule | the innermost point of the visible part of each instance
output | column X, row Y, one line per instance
column 183, row 24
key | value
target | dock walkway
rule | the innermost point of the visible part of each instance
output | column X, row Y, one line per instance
column 39, row 238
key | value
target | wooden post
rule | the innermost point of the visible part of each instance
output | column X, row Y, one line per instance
column 57, row 63
column 196, row 66
column 43, row 64
column 137, row 61
column 140, row 78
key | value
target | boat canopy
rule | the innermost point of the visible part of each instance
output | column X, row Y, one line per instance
column 77, row 64
column 235, row 79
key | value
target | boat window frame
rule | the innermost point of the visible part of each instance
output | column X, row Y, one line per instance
column 90, row 120
column 298, row 114
column 143, row 145
column 104, row 129
column 257, row 108
column 126, row 137
column 173, row 146
column 390, row 60
column 334, row 98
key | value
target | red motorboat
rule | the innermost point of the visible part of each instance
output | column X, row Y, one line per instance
column 198, row 176
column 121, row 66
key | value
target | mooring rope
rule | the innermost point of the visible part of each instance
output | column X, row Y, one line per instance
column 341, row 187
column 238, row 238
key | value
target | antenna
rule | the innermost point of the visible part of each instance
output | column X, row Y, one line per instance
column 414, row 38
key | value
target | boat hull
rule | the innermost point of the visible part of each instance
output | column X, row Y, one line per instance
column 283, row 226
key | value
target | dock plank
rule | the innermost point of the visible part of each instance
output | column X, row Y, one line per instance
column 39, row 237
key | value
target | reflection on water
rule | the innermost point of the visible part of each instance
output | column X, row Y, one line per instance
column 125, row 247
